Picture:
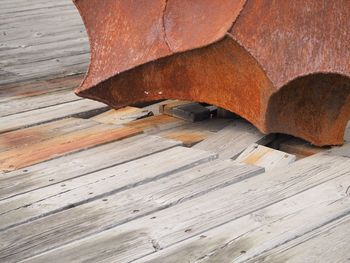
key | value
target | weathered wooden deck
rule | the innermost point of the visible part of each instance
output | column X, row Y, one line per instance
column 79, row 183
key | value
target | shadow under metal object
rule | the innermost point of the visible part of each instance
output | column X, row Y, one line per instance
column 282, row 65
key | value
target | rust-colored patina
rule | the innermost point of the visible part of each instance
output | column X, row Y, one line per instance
column 282, row 65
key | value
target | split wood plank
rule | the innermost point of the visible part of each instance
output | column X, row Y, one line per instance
column 23, row 138
column 36, row 102
column 55, row 198
column 80, row 108
column 122, row 116
column 251, row 235
column 81, row 163
column 72, row 142
column 156, row 123
column 329, row 243
column 178, row 223
column 233, row 139
column 265, row 157
column 125, row 206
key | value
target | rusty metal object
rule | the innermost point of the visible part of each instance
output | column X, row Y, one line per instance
column 282, row 65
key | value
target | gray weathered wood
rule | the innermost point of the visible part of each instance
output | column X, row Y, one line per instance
column 170, row 226
column 264, row 229
column 329, row 243
column 133, row 203
column 55, row 198
column 36, row 102
column 233, row 139
column 81, row 163
column 40, row 39
column 38, row 116
column 265, row 157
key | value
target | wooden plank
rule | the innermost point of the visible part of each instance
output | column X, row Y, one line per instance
column 233, row 139
column 265, row 157
column 55, row 198
column 173, row 225
column 122, row 116
column 188, row 138
column 192, row 133
column 273, row 226
column 23, row 138
column 72, row 142
column 156, row 123
column 81, row 163
column 36, row 102
column 16, row 91
column 124, row 206
column 80, row 108
column 329, row 243
column 33, row 54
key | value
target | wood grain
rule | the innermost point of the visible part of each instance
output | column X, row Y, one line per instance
column 81, row 163
column 233, row 139
column 80, row 108
column 48, row 200
column 65, row 144
column 176, row 224
column 130, row 204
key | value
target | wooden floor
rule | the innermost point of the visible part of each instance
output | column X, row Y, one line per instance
column 82, row 183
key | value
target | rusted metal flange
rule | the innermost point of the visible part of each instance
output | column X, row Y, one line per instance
column 282, row 65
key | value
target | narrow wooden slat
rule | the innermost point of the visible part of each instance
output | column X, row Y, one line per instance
column 16, row 91
column 77, row 191
column 35, row 117
column 23, row 138
column 329, row 243
column 273, row 226
column 170, row 226
column 103, row 214
column 232, row 140
column 36, row 102
column 81, row 163
column 122, row 116
column 265, row 157
column 156, row 123
column 65, row 144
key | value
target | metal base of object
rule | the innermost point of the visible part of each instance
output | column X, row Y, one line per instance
column 282, row 65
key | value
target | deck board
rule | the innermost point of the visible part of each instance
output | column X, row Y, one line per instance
column 139, row 201
column 77, row 108
column 81, row 163
column 146, row 198
column 96, row 185
column 162, row 229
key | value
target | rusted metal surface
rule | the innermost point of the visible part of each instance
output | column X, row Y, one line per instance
column 282, row 65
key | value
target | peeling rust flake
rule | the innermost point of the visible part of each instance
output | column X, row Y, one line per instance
column 282, row 65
